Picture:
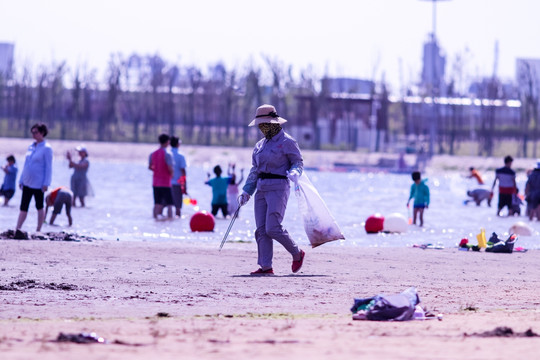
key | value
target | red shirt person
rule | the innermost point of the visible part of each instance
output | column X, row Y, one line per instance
column 161, row 164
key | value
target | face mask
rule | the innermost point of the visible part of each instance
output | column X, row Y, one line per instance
column 269, row 130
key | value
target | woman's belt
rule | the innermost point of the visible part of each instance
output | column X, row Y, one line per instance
column 271, row 176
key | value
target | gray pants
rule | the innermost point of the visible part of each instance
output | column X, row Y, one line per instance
column 269, row 211
column 64, row 197
column 479, row 195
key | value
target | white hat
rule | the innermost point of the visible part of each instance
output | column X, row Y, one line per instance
column 82, row 148
column 267, row 114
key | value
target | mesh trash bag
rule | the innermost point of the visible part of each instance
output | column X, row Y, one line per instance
column 319, row 224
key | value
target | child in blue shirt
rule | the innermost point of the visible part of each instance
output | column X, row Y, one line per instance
column 8, row 187
column 420, row 193
column 219, row 191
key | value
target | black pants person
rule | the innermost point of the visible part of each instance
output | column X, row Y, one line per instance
column 223, row 207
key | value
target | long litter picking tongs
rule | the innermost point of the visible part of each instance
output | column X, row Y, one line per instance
column 235, row 215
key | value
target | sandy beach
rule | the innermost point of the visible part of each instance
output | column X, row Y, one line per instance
column 210, row 308
column 170, row 300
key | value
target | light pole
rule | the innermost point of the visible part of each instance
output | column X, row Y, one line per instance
column 433, row 126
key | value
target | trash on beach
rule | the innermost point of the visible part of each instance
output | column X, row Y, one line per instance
column 465, row 246
column 90, row 338
column 494, row 244
column 81, row 338
column 319, row 224
column 51, row 236
column 399, row 307
column 438, row 246
column 504, row 331
column 500, row 246
column 15, row 235
column 22, row 285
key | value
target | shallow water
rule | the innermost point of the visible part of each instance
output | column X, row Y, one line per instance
column 122, row 208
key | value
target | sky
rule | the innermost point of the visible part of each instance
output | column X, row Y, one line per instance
column 368, row 39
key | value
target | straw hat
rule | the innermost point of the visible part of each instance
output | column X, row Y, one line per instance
column 266, row 114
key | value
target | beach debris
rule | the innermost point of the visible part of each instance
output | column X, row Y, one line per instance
column 274, row 342
column 219, row 341
column 399, row 307
column 163, row 314
column 438, row 246
column 19, row 235
column 465, row 246
column 494, row 244
column 51, row 236
column 471, row 307
column 90, row 338
column 81, row 338
column 500, row 246
column 22, row 285
column 504, row 331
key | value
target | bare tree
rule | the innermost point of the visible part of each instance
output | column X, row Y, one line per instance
column 75, row 108
column 252, row 98
column 109, row 117
column 134, row 80
column 229, row 102
column 194, row 77
column 57, row 108
column 171, row 78
column 156, row 66
column 529, row 90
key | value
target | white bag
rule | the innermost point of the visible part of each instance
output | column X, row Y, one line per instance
column 320, row 225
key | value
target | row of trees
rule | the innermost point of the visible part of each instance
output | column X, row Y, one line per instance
column 142, row 96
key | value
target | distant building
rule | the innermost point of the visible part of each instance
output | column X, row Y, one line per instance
column 433, row 67
column 6, row 58
column 480, row 89
column 347, row 86
column 345, row 120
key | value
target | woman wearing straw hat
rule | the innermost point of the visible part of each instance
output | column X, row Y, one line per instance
column 276, row 159
column 79, row 181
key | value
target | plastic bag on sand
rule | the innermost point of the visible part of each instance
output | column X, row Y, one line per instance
column 320, row 225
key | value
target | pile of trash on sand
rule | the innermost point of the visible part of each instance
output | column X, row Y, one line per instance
column 398, row 307
column 52, row 236
column 494, row 244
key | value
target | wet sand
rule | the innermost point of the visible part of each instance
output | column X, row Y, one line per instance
column 218, row 154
